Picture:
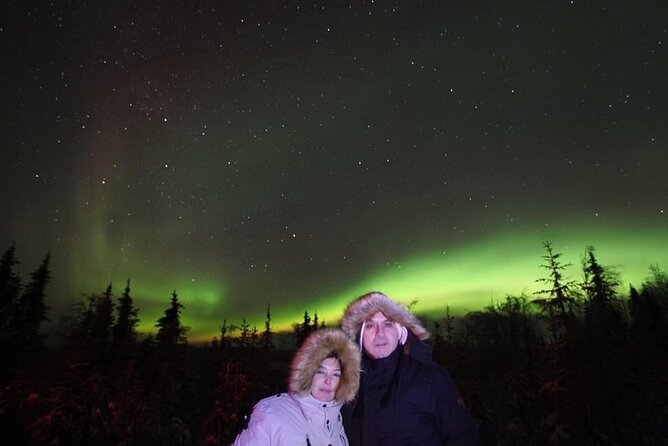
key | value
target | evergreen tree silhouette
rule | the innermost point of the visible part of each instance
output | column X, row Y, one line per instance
column 560, row 300
column 225, row 333
column 91, row 336
column 649, row 313
column 267, row 334
column 657, row 286
column 10, row 286
column 170, row 330
column 81, row 333
column 31, row 310
column 244, row 339
column 124, row 331
column 603, row 318
column 599, row 283
column 303, row 330
column 102, row 321
column 253, row 336
column 449, row 324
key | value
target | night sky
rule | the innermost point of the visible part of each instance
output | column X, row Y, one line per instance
column 302, row 153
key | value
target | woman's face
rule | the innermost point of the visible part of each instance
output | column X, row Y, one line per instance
column 326, row 380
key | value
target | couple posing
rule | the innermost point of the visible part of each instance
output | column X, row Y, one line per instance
column 371, row 383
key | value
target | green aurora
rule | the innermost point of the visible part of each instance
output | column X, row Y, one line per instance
column 465, row 278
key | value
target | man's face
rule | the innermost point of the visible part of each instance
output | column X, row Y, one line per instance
column 381, row 336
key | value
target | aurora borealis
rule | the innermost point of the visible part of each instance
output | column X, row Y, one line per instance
column 299, row 154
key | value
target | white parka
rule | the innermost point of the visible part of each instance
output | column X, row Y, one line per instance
column 290, row 419
column 296, row 418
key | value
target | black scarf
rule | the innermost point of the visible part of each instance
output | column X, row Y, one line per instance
column 378, row 388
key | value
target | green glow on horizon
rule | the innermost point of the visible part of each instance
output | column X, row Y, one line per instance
column 467, row 278
column 471, row 277
column 152, row 281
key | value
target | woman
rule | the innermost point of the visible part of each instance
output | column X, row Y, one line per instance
column 324, row 374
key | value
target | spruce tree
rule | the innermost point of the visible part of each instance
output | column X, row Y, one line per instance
column 10, row 285
column 448, row 320
column 31, row 309
column 303, row 330
column 170, row 330
column 649, row 313
column 267, row 334
column 80, row 335
column 124, row 331
column 603, row 318
column 225, row 332
column 102, row 321
column 560, row 300
column 244, row 334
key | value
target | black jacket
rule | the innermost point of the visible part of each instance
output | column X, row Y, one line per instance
column 404, row 401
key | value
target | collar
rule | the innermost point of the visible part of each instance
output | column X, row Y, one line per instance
column 387, row 363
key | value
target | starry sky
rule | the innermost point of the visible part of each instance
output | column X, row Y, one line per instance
column 299, row 154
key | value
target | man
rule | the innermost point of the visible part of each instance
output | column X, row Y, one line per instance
column 405, row 398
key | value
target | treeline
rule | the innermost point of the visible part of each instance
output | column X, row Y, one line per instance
column 106, row 385
column 578, row 362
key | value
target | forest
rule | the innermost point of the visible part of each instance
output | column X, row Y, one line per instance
column 578, row 362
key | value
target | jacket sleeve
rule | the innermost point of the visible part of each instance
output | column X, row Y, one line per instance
column 454, row 422
column 258, row 432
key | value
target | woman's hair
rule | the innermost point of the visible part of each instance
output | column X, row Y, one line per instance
column 332, row 354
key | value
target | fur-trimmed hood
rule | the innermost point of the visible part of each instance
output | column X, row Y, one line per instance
column 317, row 346
column 367, row 305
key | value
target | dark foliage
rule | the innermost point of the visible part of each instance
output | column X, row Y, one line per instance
column 10, row 286
column 22, row 313
column 589, row 367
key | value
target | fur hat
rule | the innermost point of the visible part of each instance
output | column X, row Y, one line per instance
column 317, row 346
column 364, row 307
